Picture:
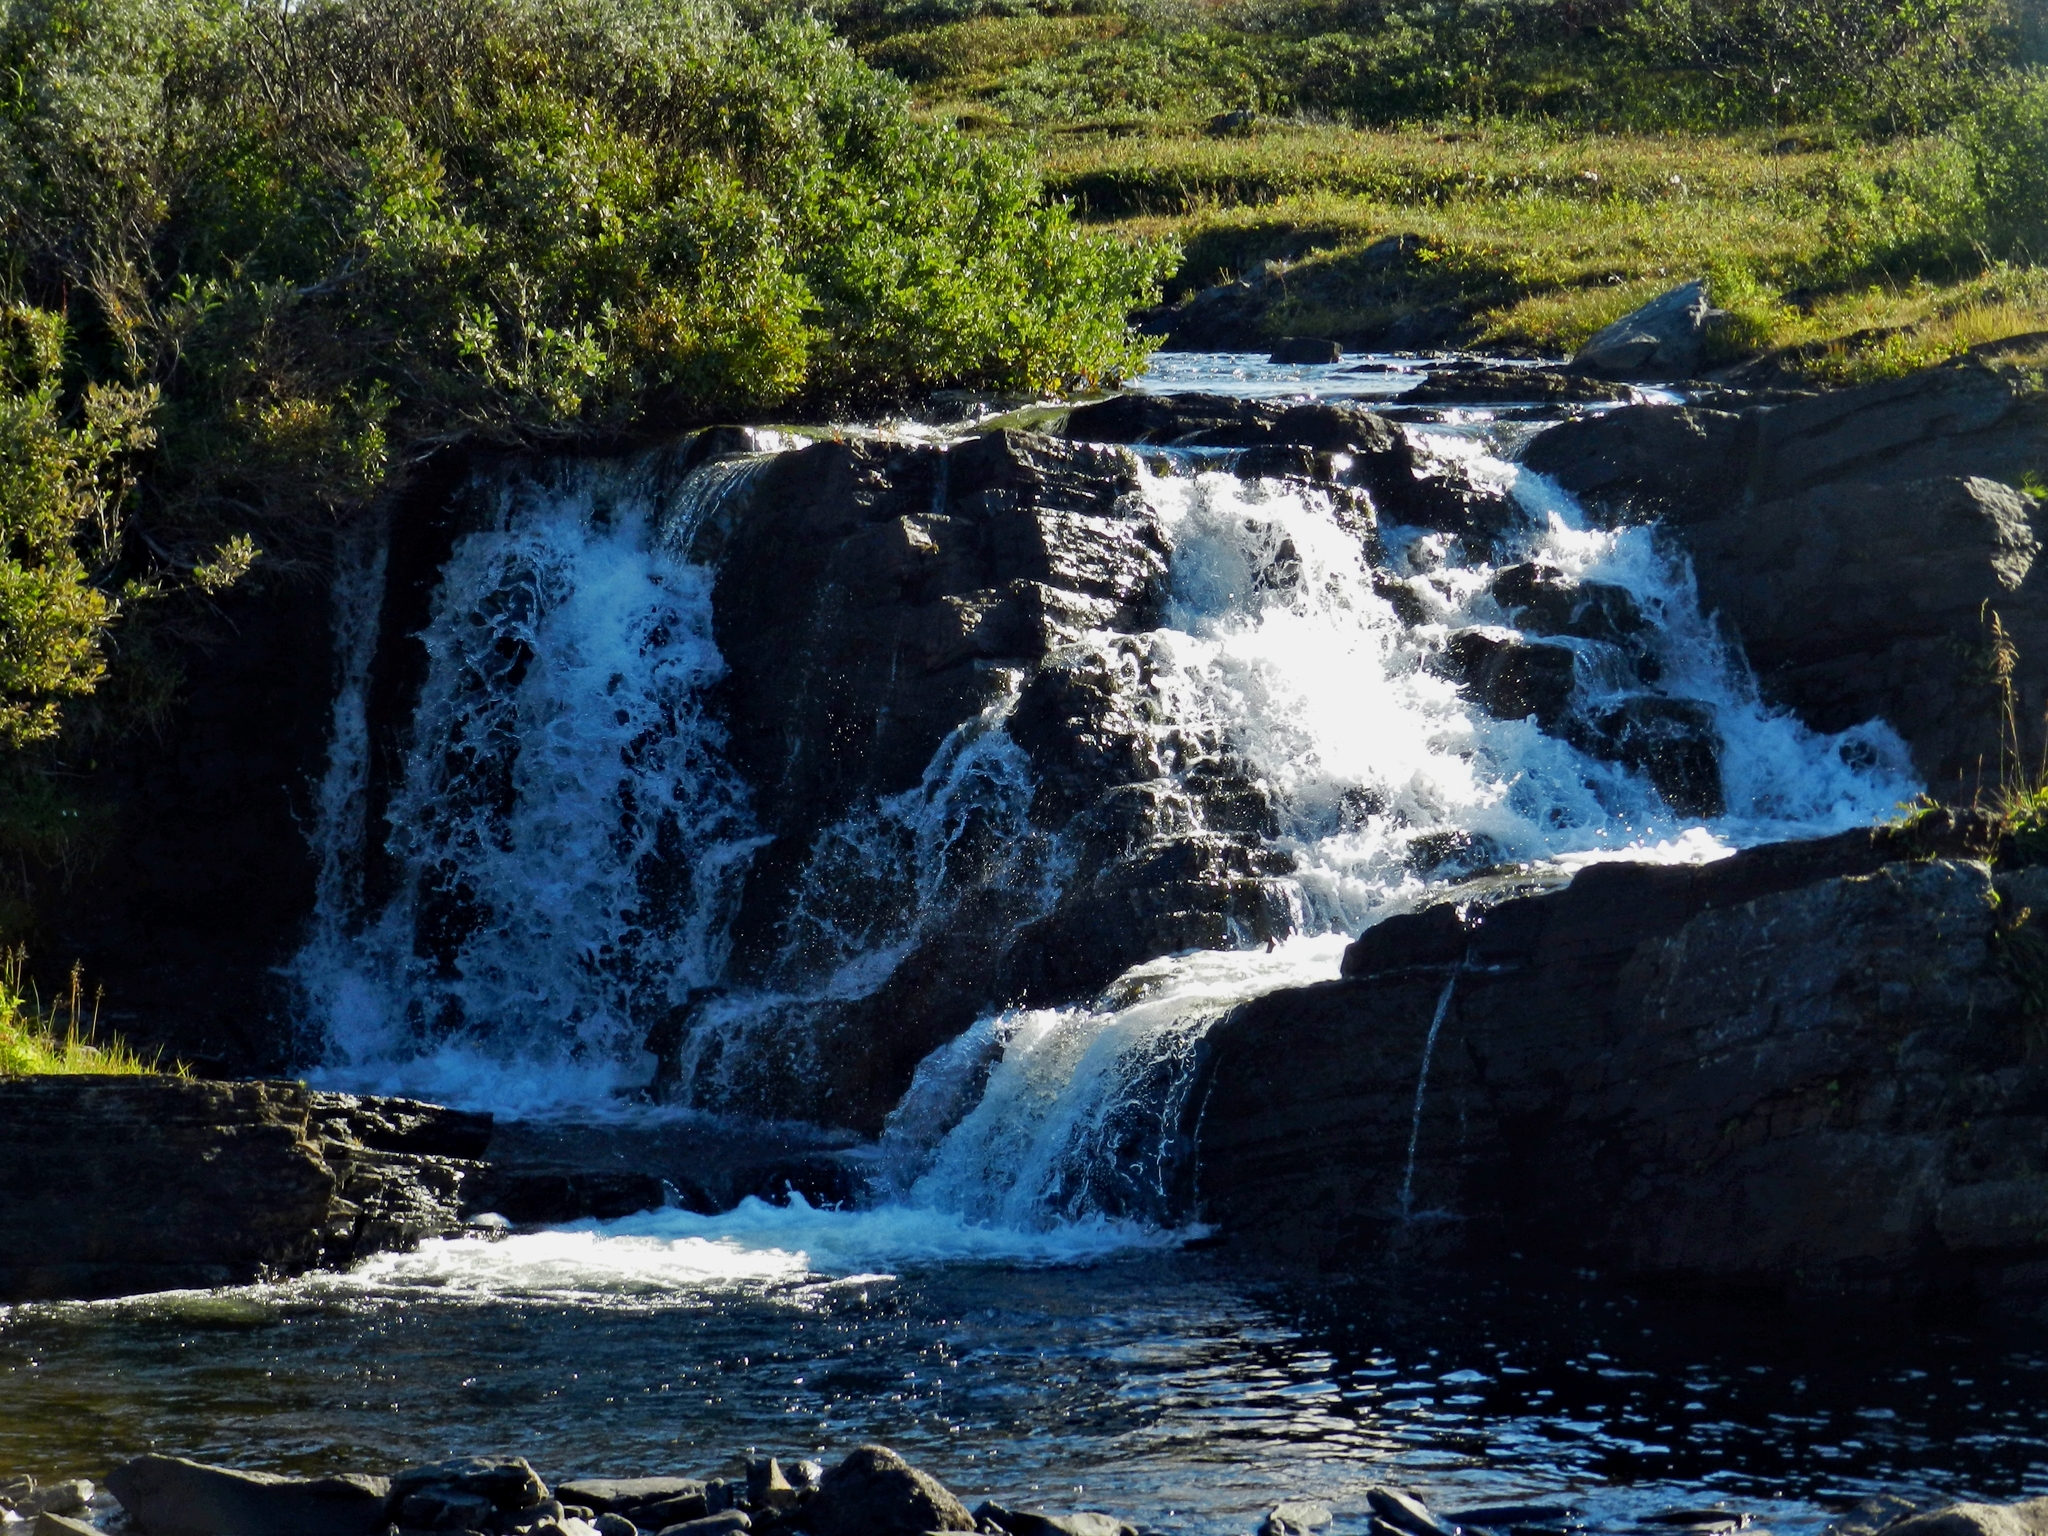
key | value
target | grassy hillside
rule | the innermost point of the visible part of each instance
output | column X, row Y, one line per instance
column 1863, row 182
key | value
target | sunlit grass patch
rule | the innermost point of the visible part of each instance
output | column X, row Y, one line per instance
column 62, row 1039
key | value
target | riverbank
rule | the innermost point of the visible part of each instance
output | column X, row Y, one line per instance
column 872, row 1492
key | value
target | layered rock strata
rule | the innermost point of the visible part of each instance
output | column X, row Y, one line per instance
column 115, row 1185
column 1809, row 1067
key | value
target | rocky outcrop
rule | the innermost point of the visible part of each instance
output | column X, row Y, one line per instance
column 116, row 1185
column 1855, row 543
column 1806, row 1067
column 873, row 601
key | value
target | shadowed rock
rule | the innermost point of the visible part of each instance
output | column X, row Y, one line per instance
column 875, row 1492
column 170, row 1496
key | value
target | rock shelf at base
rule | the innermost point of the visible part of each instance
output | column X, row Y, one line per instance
column 872, row 1492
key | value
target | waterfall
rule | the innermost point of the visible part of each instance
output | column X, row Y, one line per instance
column 566, row 842
column 1436, row 1024
column 566, row 837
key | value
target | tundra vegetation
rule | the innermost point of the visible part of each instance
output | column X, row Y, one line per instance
column 1862, row 179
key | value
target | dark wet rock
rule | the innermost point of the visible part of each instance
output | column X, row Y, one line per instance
column 614, row 1524
column 444, row 1509
column 1665, row 339
column 170, row 1496
column 159, row 1183
column 1851, row 541
column 767, row 1488
column 1306, row 350
column 678, row 1508
column 1502, row 386
column 1434, row 937
column 1405, row 1512
column 1542, row 600
column 1296, row 1517
column 875, row 1492
column 1644, row 462
column 1672, row 742
column 1512, row 678
column 723, row 1523
column 1856, row 601
column 625, row 1494
column 2025, row 1519
column 507, row 1486
column 530, row 1196
column 1769, row 1072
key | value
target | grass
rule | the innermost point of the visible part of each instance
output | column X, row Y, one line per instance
column 1541, row 238
column 1536, row 234
column 60, row 1040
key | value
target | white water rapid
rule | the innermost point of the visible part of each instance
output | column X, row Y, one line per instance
column 566, row 839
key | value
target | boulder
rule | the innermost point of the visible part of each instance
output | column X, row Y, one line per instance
column 135, row 1184
column 1405, row 1512
column 47, row 1524
column 1512, row 678
column 1306, row 350
column 724, row 1523
column 506, row 1486
column 1672, row 742
column 1853, row 542
column 2024, row 1519
column 1513, row 386
column 614, row 1525
column 875, row 1492
column 1665, row 339
column 1857, row 601
column 170, row 1496
column 1541, row 600
column 1296, row 1517
column 1025, row 1522
column 624, row 1494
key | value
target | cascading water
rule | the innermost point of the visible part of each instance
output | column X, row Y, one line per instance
column 1279, row 651
column 565, row 833
column 570, row 840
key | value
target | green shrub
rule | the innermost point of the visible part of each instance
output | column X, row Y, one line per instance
column 2006, row 142
column 322, row 236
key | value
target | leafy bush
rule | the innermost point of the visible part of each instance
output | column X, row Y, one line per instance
column 320, row 237
column 2006, row 143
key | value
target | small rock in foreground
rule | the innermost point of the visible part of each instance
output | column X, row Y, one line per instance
column 1296, row 1517
column 875, row 1492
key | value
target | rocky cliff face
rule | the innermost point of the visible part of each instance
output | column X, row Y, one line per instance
column 1802, row 1068
column 1853, row 543
column 115, row 1185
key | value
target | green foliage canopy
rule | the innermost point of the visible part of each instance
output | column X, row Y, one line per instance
column 311, row 240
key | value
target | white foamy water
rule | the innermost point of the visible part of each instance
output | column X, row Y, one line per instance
column 567, row 843
column 565, row 838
